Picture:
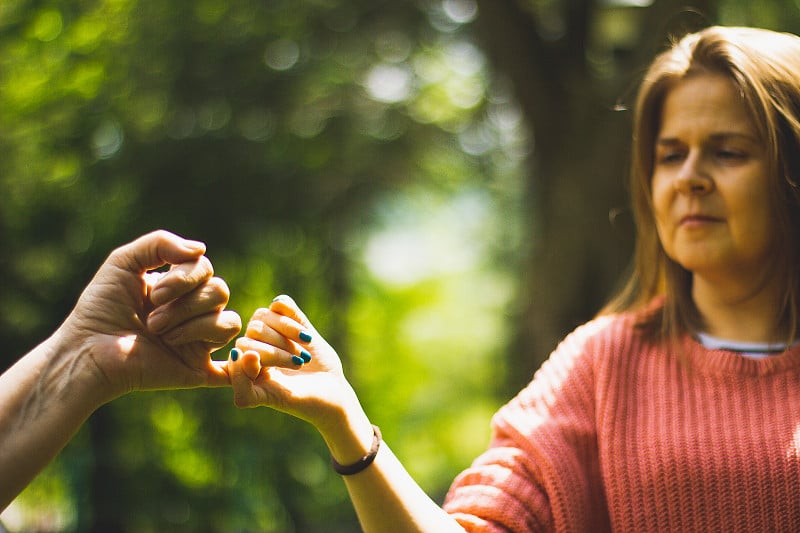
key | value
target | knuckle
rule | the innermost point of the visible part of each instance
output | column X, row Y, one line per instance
column 160, row 234
column 205, row 263
column 220, row 285
column 216, row 292
column 261, row 314
column 230, row 323
column 244, row 343
column 255, row 327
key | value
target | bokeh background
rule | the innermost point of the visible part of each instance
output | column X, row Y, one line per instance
column 439, row 183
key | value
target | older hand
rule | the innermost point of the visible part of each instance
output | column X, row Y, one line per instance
column 153, row 330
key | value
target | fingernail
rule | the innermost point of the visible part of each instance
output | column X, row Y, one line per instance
column 194, row 246
column 235, row 354
column 155, row 295
column 305, row 355
column 305, row 337
column 157, row 321
column 297, row 360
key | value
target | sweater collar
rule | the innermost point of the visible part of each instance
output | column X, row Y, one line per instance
column 726, row 361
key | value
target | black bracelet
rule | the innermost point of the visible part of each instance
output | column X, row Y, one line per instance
column 364, row 462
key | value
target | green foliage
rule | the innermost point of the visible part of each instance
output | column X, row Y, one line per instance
column 312, row 145
column 358, row 155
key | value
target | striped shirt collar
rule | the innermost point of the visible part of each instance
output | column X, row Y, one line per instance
column 754, row 350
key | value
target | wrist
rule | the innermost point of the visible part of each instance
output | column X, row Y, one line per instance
column 351, row 442
column 364, row 461
column 73, row 356
column 348, row 432
column 46, row 391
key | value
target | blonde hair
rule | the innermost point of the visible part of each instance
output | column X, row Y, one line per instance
column 765, row 68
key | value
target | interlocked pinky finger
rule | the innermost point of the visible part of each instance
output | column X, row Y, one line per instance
column 245, row 391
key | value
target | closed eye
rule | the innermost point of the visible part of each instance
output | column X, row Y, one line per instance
column 731, row 155
column 666, row 157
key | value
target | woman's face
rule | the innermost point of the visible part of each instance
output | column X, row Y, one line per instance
column 709, row 182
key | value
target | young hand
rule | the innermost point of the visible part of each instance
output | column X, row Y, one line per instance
column 284, row 363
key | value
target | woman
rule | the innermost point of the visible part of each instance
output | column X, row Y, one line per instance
column 678, row 408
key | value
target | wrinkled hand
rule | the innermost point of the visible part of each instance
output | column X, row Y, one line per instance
column 154, row 330
column 271, row 369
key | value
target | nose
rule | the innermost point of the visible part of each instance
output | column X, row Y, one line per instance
column 692, row 178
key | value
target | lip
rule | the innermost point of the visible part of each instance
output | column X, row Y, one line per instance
column 698, row 219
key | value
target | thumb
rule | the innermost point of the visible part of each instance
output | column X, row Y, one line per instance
column 156, row 249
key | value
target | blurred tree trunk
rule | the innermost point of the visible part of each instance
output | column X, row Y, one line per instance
column 581, row 235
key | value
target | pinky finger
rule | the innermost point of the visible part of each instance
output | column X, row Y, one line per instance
column 245, row 391
column 251, row 365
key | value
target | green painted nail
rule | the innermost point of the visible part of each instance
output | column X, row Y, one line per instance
column 297, row 360
column 234, row 354
column 305, row 337
column 305, row 355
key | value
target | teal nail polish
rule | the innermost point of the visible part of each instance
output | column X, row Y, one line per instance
column 305, row 355
column 305, row 337
column 234, row 354
column 297, row 360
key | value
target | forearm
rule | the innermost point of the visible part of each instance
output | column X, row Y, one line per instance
column 44, row 399
column 386, row 498
column 384, row 495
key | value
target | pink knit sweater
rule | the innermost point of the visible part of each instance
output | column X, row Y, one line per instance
column 615, row 434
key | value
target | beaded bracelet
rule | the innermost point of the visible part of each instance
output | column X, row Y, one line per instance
column 364, row 462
